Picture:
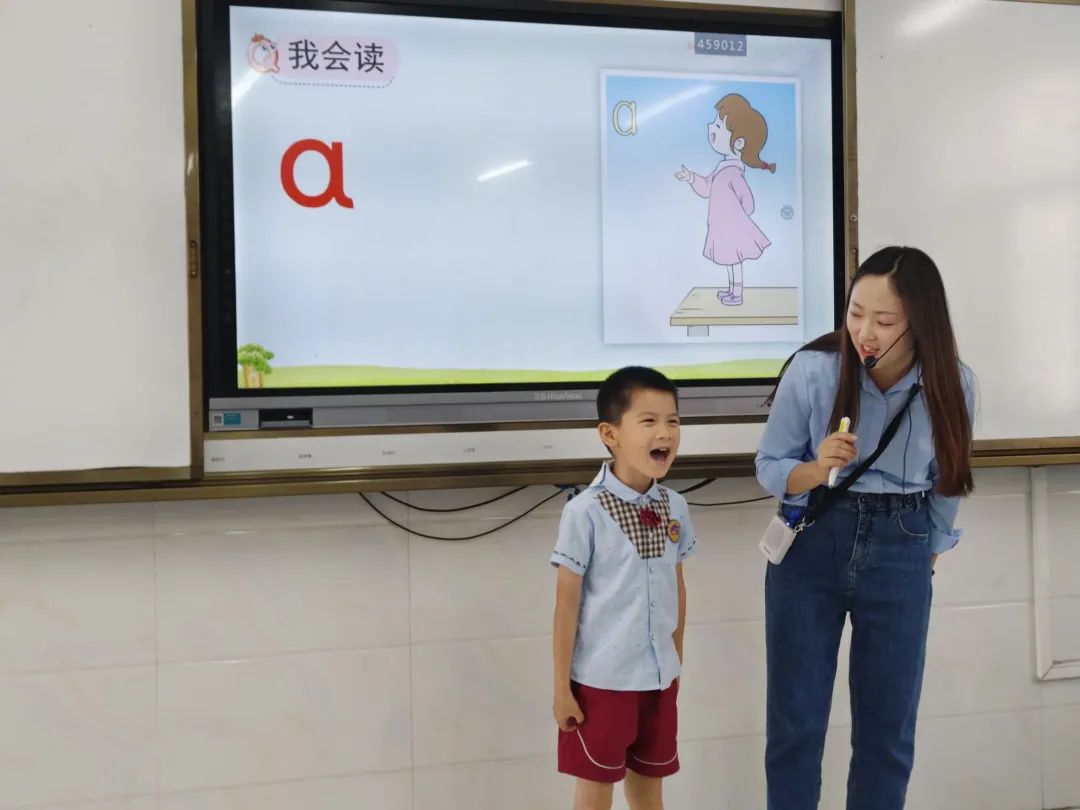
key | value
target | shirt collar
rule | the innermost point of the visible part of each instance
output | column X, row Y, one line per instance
column 913, row 375
column 606, row 479
column 730, row 162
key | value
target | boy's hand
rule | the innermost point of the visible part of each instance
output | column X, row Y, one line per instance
column 567, row 712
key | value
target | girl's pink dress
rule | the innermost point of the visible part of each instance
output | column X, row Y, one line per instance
column 732, row 237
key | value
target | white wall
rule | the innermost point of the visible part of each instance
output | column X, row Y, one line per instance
column 286, row 653
column 93, row 277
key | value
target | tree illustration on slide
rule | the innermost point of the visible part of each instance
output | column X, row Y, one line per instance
column 254, row 362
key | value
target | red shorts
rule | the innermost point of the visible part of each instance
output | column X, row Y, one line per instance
column 635, row 730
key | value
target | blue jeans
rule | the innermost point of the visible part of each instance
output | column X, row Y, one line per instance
column 867, row 556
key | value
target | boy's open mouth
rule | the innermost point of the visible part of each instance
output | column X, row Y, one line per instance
column 660, row 454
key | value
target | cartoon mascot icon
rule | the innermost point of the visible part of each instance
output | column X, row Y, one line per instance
column 262, row 54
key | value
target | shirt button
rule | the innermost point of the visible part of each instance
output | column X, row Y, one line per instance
column 652, row 604
column 654, row 637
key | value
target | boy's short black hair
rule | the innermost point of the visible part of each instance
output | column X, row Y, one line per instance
column 613, row 398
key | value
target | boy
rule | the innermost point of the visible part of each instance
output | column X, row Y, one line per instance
column 620, row 605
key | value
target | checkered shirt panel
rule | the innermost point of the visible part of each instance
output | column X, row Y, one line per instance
column 650, row 541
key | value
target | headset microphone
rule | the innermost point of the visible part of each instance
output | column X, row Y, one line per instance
column 872, row 360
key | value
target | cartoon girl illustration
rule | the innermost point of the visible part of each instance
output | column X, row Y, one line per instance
column 738, row 135
column 262, row 54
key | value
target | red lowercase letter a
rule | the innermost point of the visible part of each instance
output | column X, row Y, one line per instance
column 335, row 189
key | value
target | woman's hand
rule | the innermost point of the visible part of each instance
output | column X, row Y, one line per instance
column 838, row 450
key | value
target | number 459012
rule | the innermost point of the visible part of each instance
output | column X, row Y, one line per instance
column 720, row 44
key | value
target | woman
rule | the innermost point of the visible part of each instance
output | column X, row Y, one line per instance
column 871, row 554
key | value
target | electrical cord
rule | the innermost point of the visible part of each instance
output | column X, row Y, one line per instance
column 476, row 536
column 446, row 510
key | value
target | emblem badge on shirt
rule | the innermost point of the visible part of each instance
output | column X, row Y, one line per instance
column 674, row 530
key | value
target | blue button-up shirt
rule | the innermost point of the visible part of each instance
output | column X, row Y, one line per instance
column 629, row 605
column 799, row 422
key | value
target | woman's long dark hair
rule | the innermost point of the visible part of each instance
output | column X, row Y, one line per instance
column 918, row 283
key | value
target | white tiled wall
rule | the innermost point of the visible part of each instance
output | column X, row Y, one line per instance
column 1064, row 592
column 301, row 653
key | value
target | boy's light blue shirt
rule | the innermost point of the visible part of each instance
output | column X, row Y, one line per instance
column 799, row 422
column 629, row 605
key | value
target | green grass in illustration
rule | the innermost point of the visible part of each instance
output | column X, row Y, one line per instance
column 364, row 376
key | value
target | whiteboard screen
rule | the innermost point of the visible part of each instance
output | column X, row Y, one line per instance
column 93, row 315
column 968, row 119
column 424, row 199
